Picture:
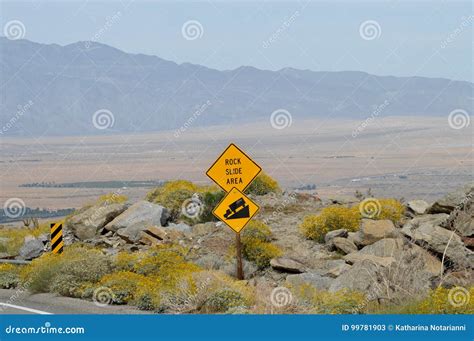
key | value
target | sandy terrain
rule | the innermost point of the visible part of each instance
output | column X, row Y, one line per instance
column 409, row 157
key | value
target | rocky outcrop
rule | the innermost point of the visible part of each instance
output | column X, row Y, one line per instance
column 313, row 279
column 138, row 217
column 417, row 206
column 287, row 265
column 374, row 230
column 344, row 245
column 87, row 224
column 449, row 202
column 333, row 234
column 461, row 219
column 32, row 248
column 427, row 232
column 357, row 257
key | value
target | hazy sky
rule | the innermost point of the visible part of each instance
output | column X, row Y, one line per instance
column 402, row 38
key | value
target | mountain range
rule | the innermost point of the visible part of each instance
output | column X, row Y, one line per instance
column 48, row 89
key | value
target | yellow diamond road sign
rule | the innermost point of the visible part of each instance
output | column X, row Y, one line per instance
column 233, row 169
column 236, row 210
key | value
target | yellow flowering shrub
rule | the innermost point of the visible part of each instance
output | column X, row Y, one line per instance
column 325, row 302
column 256, row 246
column 166, row 262
column 9, row 276
column 457, row 300
column 257, row 229
column 331, row 218
column 391, row 209
column 173, row 193
column 126, row 286
column 263, row 184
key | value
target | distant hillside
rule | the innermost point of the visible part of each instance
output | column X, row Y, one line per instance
column 61, row 87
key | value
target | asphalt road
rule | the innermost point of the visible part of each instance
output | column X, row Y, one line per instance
column 18, row 302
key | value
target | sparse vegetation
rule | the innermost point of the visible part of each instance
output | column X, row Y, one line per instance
column 438, row 301
column 256, row 245
column 16, row 236
column 331, row 218
column 324, row 302
column 66, row 273
column 263, row 184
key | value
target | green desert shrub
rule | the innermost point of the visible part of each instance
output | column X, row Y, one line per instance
column 68, row 272
column 331, row 218
column 263, row 184
column 256, row 245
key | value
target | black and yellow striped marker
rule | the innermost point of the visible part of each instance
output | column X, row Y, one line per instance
column 57, row 238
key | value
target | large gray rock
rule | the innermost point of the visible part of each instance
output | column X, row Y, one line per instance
column 426, row 231
column 398, row 249
column 137, row 218
column 313, row 279
column 358, row 257
column 344, row 245
column 287, row 265
column 87, row 224
column 333, row 234
column 32, row 248
column 364, row 276
column 373, row 230
column 396, row 281
column 447, row 203
column 418, row 206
